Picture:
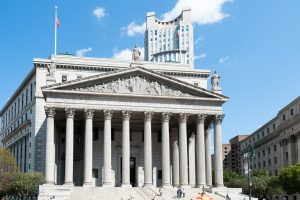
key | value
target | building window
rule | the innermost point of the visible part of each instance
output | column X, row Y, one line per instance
column 264, row 164
column 274, row 147
column 292, row 111
column 26, row 97
column 31, row 92
column 269, row 161
column 22, row 101
column 269, row 150
column 273, row 126
column 95, row 133
column 263, row 133
column 95, row 173
column 64, row 78
column 268, row 130
column 275, row 160
column 258, row 154
column 283, row 117
column 264, row 153
column 286, row 155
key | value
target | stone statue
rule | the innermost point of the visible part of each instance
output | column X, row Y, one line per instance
column 51, row 69
column 136, row 54
column 215, row 81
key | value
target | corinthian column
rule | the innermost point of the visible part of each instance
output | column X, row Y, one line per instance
column 183, row 155
column 88, row 148
column 208, row 173
column 126, row 148
column 165, row 118
column 147, row 149
column 70, row 113
column 50, row 146
column 107, row 147
column 200, row 152
column 218, row 160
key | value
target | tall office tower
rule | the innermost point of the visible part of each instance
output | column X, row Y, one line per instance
column 170, row 41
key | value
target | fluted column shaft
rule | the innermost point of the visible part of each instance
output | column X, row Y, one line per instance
column 88, row 148
column 165, row 149
column 183, row 154
column 208, row 158
column 50, row 146
column 147, row 149
column 126, row 148
column 200, row 152
column 70, row 113
column 218, row 158
column 107, row 147
column 175, row 167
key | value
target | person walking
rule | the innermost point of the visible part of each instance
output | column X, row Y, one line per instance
column 183, row 192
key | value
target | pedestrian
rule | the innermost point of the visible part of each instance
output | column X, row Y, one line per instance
column 183, row 192
column 178, row 193
column 227, row 197
column 160, row 192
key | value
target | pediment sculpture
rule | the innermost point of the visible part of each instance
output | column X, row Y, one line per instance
column 134, row 85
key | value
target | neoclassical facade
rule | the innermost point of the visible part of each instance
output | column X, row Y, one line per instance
column 100, row 122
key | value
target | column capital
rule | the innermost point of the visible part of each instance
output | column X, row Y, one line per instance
column 201, row 118
column 183, row 117
column 165, row 116
column 89, row 113
column 108, row 114
column 148, row 116
column 70, row 112
column 50, row 112
column 126, row 114
column 218, row 119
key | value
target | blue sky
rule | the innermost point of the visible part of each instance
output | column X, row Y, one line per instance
column 254, row 45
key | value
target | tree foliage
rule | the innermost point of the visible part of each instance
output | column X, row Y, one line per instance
column 289, row 178
column 7, row 161
column 26, row 185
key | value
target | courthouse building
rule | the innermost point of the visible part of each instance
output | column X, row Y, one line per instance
column 103, row 122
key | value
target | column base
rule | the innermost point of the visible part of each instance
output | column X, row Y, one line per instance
column 219, row 185
column 167, row 186
column 107, row 185
column 69, row 184
column 126, row 185
column 49, row 184
column 201, row 186
column 185, row 186
column 88, row 184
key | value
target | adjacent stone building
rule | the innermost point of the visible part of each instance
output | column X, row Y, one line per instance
column 277, row 143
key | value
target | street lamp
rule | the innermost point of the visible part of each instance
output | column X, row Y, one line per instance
column 250, row 153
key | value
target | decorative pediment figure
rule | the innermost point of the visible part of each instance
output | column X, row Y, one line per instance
column 136, row 54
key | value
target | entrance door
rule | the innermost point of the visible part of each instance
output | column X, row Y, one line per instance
column 132, row 170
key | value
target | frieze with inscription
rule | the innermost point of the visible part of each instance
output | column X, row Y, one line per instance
column 134, row 84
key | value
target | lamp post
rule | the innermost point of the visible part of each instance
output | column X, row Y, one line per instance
column 250, row 153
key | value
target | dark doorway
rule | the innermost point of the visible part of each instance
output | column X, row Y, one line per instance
column 132, row 171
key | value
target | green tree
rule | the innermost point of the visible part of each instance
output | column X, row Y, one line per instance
column 289, row 178
column 26, row 185
column 7, row 161
column 8, row 170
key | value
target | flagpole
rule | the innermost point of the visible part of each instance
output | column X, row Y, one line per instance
column 55, row 30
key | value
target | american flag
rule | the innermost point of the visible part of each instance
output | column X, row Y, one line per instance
column 57, row 22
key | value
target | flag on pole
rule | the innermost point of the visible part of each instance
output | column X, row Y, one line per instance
column 57, row 22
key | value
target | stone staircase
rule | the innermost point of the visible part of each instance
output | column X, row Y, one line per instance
column 134, row 193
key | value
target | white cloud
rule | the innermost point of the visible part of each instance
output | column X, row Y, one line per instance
column 203, row 11
column 201, row 56
column 99, row 13
column 126, row 54
column 82, row 52
column 223, row 59
column 134, row 29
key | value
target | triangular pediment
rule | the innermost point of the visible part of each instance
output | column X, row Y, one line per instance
column 135, row 81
